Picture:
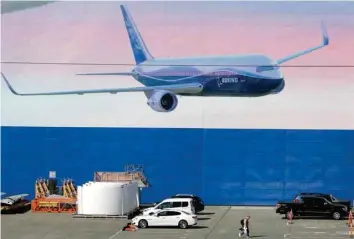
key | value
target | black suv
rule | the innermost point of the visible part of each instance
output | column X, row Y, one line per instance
column 312, row 204
column 197, row 201
column 330, row 198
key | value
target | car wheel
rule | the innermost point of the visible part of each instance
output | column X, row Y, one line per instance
column 143, row 223
column 336, row 215
column 183, row 224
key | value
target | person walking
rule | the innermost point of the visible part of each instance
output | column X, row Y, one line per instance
column 245, row 229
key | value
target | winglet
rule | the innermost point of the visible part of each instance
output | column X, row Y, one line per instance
column 324, row 34
column 325, row 42
column 9, row 85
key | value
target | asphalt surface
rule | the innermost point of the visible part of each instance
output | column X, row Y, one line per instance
column 214, row 223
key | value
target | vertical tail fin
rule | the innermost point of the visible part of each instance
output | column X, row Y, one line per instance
column 140, row 51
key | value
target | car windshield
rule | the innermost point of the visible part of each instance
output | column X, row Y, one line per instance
column 298, row 199
column 333, row 199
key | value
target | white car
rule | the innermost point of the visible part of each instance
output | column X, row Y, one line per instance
column 167, row 218
column 185, row 204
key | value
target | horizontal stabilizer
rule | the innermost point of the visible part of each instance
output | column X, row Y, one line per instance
column 106, row 74
column 177, row 88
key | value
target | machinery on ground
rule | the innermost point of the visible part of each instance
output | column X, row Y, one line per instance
column 15, row 204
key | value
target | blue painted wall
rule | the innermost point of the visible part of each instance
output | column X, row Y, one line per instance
column 256, row 167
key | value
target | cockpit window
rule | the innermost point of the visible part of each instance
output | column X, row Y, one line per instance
column 267, row 68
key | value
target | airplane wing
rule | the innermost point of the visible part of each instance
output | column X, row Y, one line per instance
column 7, row 201
column 106, row 74
column 12, row 199
column 325, row 42
column 177, row 88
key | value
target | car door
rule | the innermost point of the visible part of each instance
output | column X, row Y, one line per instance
column 173, row 218
column 177, row 205
column 320, row 206
column 152, row 219
column 160, row 219
column 305, row 208
column 187, row 207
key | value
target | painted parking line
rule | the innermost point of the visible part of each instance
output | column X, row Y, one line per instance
column 162, row 232
column 317, row 225
column 115, row 234
column 318, row 237
column 315, row 236
column 170, row 236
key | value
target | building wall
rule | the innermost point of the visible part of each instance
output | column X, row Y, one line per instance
column 225, row 167
column 228, row 150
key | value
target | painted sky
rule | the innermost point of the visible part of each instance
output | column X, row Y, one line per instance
column 314, row 97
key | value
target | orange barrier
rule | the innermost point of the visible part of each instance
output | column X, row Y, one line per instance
column 69, row 188
column 350, row 224
column 130, row 227
column 291, row 216
column 289, row 223
column 57, row 205
column 41, row 188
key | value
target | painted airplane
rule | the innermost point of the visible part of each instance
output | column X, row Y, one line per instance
column 12, row 199
column 251, row 75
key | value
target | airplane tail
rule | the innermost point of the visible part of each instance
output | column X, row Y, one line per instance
column 140, row 51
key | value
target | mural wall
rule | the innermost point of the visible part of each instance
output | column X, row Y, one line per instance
column 228, row 150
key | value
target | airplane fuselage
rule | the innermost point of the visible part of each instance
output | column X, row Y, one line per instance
column 241, row 76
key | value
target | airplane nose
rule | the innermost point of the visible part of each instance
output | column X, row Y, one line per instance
column 280, row 87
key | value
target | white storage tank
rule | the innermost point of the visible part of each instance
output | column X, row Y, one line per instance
column 79, row 200
column 107, row 198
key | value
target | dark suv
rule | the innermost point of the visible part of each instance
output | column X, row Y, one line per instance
column 197, row 201
column 308, row 204
column 330, row 198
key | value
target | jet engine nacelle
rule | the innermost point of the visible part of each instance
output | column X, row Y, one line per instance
column 163, row 101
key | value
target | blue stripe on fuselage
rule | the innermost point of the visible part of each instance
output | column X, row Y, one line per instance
column 184, row 74
column 222, row 82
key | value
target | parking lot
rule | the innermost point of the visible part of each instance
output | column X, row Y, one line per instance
column 214, row 222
